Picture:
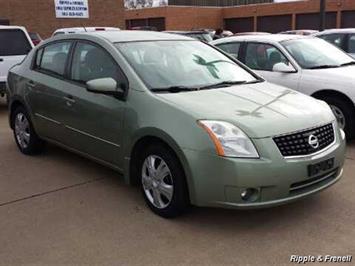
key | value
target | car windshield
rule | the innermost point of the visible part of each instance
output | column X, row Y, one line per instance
column 314, row 53
column 182, row 64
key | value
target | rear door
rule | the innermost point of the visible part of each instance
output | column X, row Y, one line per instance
column 46, row 89
column 14, row 46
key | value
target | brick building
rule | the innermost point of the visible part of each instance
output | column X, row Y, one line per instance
column 270, row 17
column 39, row 15
column 248, row 15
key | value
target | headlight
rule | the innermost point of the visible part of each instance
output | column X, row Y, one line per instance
column 229, row 140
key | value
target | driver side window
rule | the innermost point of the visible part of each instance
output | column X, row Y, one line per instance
column 261, row 56
column 92, row 62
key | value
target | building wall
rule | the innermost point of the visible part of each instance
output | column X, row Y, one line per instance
column 216, row 2
column 39, row 15
column 239, row 17
column 180, row 18
column 193, row 17
column 294, row 9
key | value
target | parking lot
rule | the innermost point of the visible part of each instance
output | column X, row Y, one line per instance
column 58, row 208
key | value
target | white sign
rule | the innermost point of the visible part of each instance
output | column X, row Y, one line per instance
column 137, row 4
column 71, row 8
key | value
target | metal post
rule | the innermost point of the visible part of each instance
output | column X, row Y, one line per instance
column 322, row 15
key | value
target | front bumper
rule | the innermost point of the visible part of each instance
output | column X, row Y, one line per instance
column 218, row 182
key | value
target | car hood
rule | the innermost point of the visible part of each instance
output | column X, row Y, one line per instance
column 260, row 110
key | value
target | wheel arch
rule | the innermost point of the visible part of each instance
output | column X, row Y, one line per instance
column 15, row 103
column 145, row 137
column 332, row 93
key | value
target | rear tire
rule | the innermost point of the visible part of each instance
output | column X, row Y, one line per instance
column 25, row 136
column 162, row 181
column 344, row 113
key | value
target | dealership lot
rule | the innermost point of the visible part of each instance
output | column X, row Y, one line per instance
column 58, row 208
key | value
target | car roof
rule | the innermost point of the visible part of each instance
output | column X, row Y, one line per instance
column 347, row 30
column 273, row 38
column 127, row 36
column 2, row 27
column 87, row 28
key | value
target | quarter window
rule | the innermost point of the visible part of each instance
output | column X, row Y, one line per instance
column 261, row 56
column 230, row 48
column 53, row 58
column 92, row 62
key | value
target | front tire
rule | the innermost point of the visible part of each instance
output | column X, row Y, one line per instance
column 163, row 182
column 25, row 137
column 344, row 113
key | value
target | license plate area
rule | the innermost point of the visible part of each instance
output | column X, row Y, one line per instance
column 318, row 168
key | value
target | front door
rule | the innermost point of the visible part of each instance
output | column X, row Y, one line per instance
column 94, row 122
column 262, row 57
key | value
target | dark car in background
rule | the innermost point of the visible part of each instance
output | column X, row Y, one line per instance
column 201, row 35
column 251, row 33
column 35, row 37
column 342, row 38
column 299, row 32
column 148, row 28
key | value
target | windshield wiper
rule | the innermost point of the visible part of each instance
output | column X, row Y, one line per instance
column 323, row 66
column 348, row 63
column 223, row 84
column 174, row 89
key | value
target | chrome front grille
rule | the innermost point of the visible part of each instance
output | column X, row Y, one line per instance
column 305, row 142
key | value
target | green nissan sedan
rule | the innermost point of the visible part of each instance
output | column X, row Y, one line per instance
column 183, row 120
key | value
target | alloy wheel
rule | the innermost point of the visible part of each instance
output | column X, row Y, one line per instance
column 157, row 181
column 22, row 130
column 339, row 116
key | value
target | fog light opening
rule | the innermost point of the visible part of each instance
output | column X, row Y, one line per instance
column 249, row 194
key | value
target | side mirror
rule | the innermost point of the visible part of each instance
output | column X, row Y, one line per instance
column 107, row 86
column 283, row 68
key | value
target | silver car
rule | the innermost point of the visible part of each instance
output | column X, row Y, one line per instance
column 307, row 64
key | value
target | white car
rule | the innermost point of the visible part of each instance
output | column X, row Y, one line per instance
column 306, row 64
column 83, row 29
column 15, row 43
column 343, row 38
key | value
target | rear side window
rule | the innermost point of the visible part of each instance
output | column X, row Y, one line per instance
column 230, row 48
column 53, row 58
column 13, row 42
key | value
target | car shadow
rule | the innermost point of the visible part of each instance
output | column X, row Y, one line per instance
column 213, row 218
column 3, row 105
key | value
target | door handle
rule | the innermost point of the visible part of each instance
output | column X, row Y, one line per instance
column 69, row 100
column 31, row 84
column 1, row 60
